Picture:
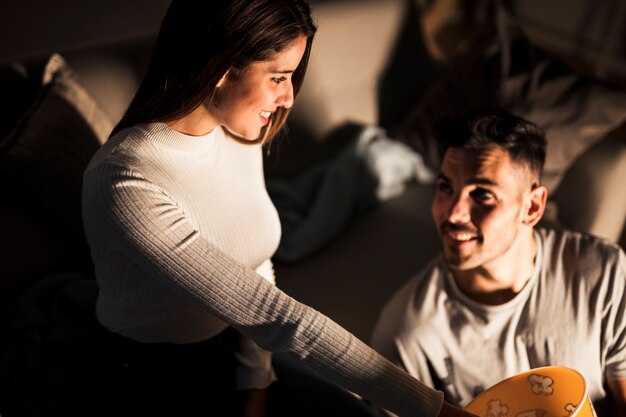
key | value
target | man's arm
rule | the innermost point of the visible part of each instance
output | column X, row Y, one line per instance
column 618, row 391
column 617, row 357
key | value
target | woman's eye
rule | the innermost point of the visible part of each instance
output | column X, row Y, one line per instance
column 279, row 80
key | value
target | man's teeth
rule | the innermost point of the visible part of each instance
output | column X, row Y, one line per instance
column 460, row 236
column 266, row 114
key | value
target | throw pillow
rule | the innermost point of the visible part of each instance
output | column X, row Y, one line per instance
column 41, row 168
column 19, row 85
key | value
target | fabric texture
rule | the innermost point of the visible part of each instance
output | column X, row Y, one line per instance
column 508, row 71
column 570, row 313
column 316, row 205
column 128, row 378
column 138, row 207
column 41, row 166
column 208, row 177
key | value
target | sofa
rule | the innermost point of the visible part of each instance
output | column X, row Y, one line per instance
column 372, row 63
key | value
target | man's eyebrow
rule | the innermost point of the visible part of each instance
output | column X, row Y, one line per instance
column 474, row 180
column 481, row 181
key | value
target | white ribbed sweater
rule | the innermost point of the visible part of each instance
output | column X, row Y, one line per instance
column 168, row 271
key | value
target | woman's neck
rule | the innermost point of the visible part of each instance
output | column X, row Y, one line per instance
column 197, row 123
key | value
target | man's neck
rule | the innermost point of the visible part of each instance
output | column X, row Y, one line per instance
column 502, row 279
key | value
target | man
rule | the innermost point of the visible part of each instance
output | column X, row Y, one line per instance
column 503, row 297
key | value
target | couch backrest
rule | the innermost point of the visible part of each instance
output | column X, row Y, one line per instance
column 350, row 52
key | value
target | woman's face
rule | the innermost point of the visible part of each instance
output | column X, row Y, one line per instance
column 245, row 100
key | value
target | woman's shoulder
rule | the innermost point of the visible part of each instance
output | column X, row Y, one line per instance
column 126, row 147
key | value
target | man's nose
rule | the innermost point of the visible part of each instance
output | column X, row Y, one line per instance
column 460, row 211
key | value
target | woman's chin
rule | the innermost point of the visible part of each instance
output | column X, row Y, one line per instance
column 248, row 136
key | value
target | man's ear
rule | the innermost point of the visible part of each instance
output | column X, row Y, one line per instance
column 536, row 205
column 221, row 81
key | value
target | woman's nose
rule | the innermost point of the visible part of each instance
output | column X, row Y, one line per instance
column 286, row 98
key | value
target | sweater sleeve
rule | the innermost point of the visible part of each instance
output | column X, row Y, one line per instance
column 127, row 212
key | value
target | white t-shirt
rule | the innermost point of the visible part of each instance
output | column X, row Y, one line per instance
column 572, row 312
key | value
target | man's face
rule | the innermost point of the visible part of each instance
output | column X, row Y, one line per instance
column 479, row 205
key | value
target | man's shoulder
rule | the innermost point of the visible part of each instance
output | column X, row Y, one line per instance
column 577, row 241
column 569, row 249
column 409, row 312
column 434, row 272
column 414, row 292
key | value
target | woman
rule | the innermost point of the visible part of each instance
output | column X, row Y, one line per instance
column 181, row 228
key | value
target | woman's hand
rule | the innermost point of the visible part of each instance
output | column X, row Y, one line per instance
column 448, row 410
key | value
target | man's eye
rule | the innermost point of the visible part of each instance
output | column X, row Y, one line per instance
column 444, row 187
column 483, row 196
column 279, row 80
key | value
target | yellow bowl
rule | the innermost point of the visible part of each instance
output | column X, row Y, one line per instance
column 551, row 391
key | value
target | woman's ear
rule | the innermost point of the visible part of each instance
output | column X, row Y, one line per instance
column 536, row 205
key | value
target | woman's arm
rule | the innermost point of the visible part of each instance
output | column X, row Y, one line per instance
column 127, row 213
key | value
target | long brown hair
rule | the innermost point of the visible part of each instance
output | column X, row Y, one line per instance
column 200, row 40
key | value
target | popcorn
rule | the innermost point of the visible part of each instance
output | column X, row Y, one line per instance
column 570, row 408
column 496, row 408
column 541, row 384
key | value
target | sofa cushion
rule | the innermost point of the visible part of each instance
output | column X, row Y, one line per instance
column 342, row 75
column 19, row 86
column 41, row 166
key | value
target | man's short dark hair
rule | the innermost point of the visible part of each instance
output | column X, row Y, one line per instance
column 483, row 127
